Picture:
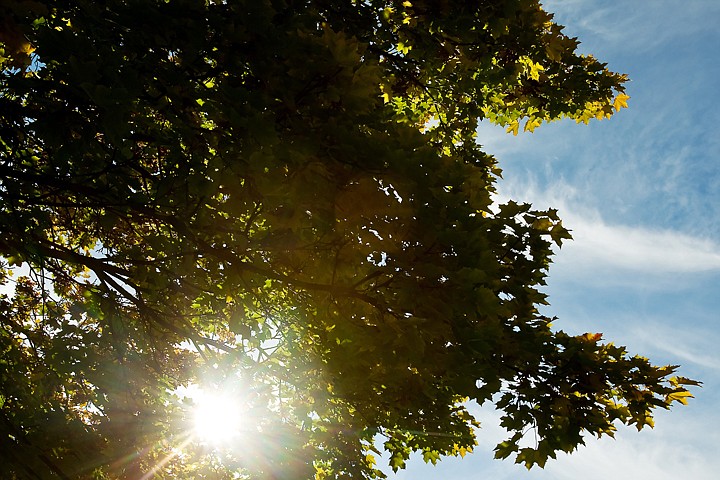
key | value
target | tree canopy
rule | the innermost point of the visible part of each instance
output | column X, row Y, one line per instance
column 284, row 200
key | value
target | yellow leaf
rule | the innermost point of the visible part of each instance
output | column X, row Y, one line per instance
column 403, row 48
column 513, row 127
column 462, row 451
column 532, row 124
column 621, row 101
column 535, row 69
column 680, row 396
column 646, row 420
column 684, row 381
column 592, row 337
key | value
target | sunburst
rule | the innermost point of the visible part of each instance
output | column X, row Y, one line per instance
column 219, row 418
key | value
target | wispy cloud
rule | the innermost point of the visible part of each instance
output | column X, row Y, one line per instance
column 636, row 248
column 694, row 345
column 599, row 245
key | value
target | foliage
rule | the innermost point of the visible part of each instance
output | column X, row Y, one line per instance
column 286, row 195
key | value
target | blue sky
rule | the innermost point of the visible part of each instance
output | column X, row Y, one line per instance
column 641, row 193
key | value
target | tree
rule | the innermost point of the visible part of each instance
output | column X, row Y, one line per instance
column 285, row 199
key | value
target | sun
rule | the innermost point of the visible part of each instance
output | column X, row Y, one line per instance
column 218, row 417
